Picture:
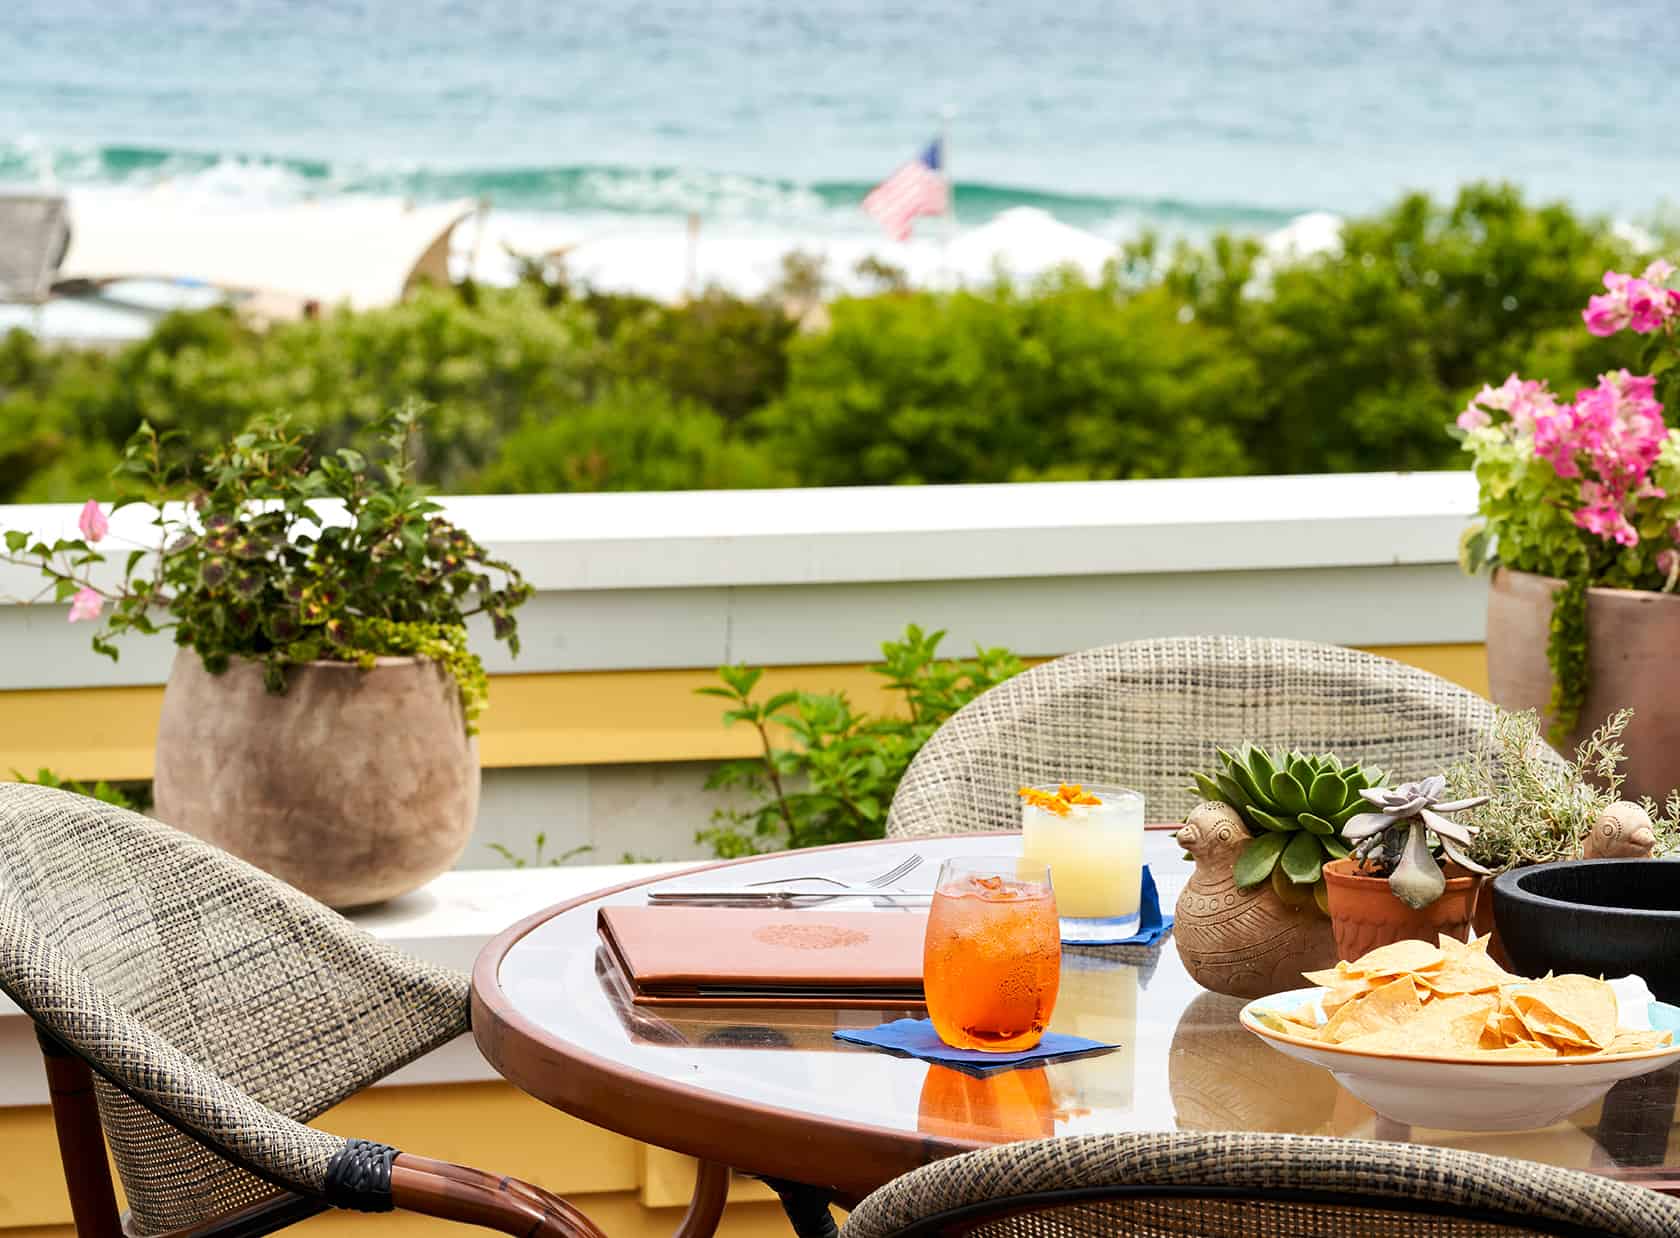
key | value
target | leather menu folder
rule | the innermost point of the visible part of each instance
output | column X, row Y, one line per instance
column 734, row 956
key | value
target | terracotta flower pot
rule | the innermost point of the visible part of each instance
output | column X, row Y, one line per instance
column 1364, row 913
column 355, row 786
column 1631, row 638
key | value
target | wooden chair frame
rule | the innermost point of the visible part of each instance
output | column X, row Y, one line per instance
column 418, row 1183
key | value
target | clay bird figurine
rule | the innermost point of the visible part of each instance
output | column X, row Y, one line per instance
column 1246, row 943
column 1622, row 832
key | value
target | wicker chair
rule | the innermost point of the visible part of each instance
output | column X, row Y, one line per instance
column 1253, row 1186
column 211, row 1010
column 1144, row 714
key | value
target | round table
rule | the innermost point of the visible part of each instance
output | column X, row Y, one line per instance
column 772, row 1093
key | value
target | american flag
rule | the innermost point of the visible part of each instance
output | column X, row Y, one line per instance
column 915, row 189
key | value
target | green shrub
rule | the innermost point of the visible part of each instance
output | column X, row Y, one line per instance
column 835, row 781
column 633, row 436
column 1071, row 381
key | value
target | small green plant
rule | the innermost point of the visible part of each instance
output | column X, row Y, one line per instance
column 134, row 796
column 1399, row 839
column 1539, row 808
column 272, row 549
column 536, row 860
column 835, row 780
column 1294, row 805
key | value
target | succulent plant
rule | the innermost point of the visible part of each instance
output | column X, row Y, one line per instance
column 1294, row 805
column 1395, row 839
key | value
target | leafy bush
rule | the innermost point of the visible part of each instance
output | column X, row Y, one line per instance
column 1072, row 381
column 834, row 782
column 1207, row 359
column 134, row 796
column 634, row 436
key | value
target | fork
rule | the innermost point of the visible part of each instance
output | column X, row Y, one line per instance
column 901, row 869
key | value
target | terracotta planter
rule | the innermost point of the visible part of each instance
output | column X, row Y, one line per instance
column 1364, row 913
column 355, row 786
column 1631, row 638
column 1237, row 941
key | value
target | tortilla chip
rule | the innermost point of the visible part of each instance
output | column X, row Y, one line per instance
column 1451, row 1000
column 1634, row 1040
column 1469, row 971
column 1383, row 1008
column 1400, row 958
column 1574, row 1009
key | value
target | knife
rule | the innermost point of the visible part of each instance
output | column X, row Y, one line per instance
column 774, row 896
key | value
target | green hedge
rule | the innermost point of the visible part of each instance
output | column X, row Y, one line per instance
column 1194, row 362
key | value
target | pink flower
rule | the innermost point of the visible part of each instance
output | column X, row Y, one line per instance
column 1668, row 562
column 1608, row 523
column 1521, row 401
column 1641, row 304
column 92, row 521
column 85, row 605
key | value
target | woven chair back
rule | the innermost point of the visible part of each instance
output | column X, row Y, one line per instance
column 196, row 981
column 1230, row 1185
column 1146, row 714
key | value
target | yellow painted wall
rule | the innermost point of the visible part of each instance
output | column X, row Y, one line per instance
column 574, row 718
column 629, row 1189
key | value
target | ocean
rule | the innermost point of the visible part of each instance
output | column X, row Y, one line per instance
column 609, row 123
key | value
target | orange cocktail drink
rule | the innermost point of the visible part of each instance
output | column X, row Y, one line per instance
column 993, row 956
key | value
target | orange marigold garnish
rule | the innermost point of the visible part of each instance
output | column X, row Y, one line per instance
column 1059, row 801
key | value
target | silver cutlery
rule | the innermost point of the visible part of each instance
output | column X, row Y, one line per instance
column 903, row 868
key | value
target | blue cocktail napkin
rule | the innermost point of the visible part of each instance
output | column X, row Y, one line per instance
column 1152, row 925
column 916, row 1038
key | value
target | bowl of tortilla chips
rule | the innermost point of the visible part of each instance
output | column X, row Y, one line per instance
column 1441, row 1036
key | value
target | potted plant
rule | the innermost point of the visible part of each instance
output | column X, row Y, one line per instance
column 1392, row 886
column 1580, row 507
column 319, row 717
column 1253, row 915
column 1541, row 808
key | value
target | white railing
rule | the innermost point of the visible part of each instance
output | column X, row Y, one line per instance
column 629, row 581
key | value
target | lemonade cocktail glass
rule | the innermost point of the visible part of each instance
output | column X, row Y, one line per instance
column 1091, row 839
column 992, row 958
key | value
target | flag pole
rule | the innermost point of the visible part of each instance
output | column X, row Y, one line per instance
column 946, row 115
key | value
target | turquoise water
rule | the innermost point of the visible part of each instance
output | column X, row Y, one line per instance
column 781, row 114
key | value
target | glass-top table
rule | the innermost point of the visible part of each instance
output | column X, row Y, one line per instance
column 772, row 1093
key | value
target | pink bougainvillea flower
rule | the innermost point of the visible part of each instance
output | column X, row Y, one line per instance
column 92, row 521
column 1641, row 304
column 85, row 605
column 1521, row 401
column 1608, row 523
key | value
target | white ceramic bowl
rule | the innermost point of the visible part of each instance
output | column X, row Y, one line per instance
column 1452, row 1094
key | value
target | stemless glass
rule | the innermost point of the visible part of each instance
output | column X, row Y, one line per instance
column 993, row 954
column 1095, row 856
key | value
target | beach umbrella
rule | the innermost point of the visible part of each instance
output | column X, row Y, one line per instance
column 1024, row 242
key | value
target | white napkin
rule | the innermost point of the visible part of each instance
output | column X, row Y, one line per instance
column 1633, row 1003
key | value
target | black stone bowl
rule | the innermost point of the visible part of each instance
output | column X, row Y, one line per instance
column 1596, row 917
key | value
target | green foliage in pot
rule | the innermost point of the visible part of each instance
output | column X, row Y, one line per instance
column 1541, row 807
column 273, row 550
column 827, row 772
column 1294, row 805
column 1399, row 840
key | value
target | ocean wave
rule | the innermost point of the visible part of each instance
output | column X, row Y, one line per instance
column 584, row 189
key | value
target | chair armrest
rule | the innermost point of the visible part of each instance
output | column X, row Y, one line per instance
column 456, row 1193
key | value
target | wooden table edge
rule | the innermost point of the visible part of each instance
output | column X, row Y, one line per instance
column 850, row 1157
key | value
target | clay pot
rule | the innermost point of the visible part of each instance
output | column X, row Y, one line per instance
column 1364, row 913
column 1631, row 638
column 1241, row 942
column 354, row 786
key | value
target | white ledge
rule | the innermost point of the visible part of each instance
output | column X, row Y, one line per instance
column 447, row 922
column 897, row 533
